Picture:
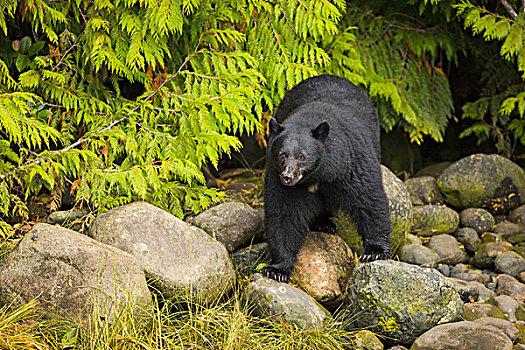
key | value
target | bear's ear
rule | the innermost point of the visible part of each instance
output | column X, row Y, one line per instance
column 274, row 127
column 321, row 131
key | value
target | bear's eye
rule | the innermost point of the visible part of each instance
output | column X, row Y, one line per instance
column 282, row 156
column 301, row 156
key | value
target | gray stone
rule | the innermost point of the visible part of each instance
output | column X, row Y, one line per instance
column 70, row 274
column 444, row 269
column 417, row 254
column 423, row 190
column 478, row 219
column 484, row 181
column 429, row 220
column 232, row 223
column 510, row 286
column 488, row 252
column 467, row 273
column 510, row 263
column 280, row 300
column 517, row 215
column 433, row 170
column 323, row 268
column 503, row 325
column 247, row 260
column 474, row 289
column 447, row 248
column 401, row 301
column 65, row 217
column 366, row 340
column 505, row 228
column 469, row 238
column 474, row 311
column 463, row 335
column 412, row 239
column 511, row 308
column 178, row 259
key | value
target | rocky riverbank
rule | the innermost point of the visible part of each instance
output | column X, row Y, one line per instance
column 457, row 280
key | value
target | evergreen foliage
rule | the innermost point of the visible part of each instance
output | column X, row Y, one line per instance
column 128, row 100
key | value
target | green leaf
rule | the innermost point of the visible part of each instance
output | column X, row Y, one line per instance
column 22, row 61
column 39, row 45
column 25, row 44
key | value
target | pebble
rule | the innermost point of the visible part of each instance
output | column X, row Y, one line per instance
column 469, row 238
column 510, row 263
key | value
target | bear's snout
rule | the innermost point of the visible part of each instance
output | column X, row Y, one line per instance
column 290, row 175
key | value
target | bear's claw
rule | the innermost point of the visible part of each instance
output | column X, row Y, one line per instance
column 277, row 273
column 375, row 256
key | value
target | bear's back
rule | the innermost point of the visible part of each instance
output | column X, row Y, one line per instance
column 336, row 91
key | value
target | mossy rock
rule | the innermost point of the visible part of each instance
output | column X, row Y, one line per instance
column 401, row 301
column 400, row 208
column 429, row 220
column 487, row 181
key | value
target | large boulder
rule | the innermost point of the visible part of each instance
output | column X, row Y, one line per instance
column 463, row 335
column 401, row 301
column 487, row 181
column 423, row 190
column 400, row 209
column 70, row 274
column 232, row 223
column 323, row 267
column 179, row 259
column 278, row 300
column 431, row 219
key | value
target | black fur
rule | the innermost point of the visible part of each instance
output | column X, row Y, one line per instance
column 323, row 156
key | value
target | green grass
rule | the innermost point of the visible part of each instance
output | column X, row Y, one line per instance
column 227, row 324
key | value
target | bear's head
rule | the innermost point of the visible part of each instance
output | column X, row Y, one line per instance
column 296, row 152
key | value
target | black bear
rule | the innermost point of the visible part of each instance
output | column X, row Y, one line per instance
column 323, row 156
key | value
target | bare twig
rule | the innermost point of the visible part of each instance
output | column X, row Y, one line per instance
column 509, row 9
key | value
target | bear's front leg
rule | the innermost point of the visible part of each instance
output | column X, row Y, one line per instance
column 287, row 215
column 369, row 210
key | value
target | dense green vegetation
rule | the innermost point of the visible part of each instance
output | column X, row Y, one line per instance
column 123, row 100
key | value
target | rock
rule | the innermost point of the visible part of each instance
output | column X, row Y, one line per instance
column 506, row 228
column 467, row 273
column 280, row 300
column 423, row 190
column 488, row 252
column 433, row 170
column 64, row 217
column 428, row 220
column 503, row 325
column 473, row 289
column 400, row 209
column 473, row 311
column 398, row 347
column 447, row 248
column 366, row 340
column 477, row 218
column 232, row 223
column 510, row 286
column 510, row 263
column 517, row 215
column 511, row 308
column 71, row 274
column 175, row 256
column 323, row 268
column 412, row 239
column 401, row 301
column 469, row 238
column 463, row 335
column 484, row 181
column 444, row 269
column 417, row 254
column 247, row 259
